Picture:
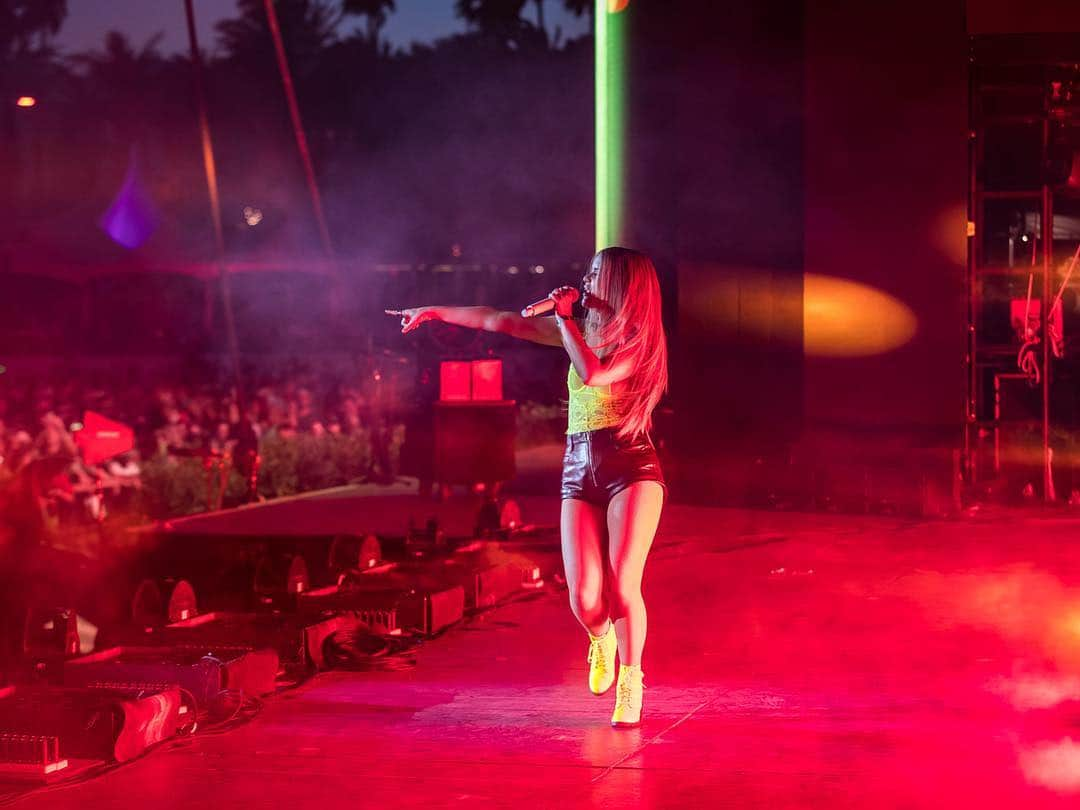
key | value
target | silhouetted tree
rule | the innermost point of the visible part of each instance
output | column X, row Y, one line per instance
column 410, row 152
column 27, row 25
column 490, row 15
column 247, row 81
column 375, row 12
column 128, row 94
column 134, row 89
column 25, row 29
column 540, row 16
column 119, row 64
column 500, row 21
column 579, row 7
column 307, row 28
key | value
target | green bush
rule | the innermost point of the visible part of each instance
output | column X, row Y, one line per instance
column 289, row 465
column 304, row 463
column 180, row 486
column 278, row 474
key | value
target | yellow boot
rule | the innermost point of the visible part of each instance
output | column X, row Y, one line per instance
column 602, row 660
column 628, row 695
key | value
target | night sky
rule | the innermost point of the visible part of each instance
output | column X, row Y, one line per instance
column 414, row 20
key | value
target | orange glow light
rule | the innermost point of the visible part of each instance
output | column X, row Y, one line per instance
column 839, row 317
column 26, row 101
column 843, row 318
column 949, row 231
column 615, row 6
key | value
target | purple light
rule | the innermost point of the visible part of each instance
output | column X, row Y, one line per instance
column 132, row 218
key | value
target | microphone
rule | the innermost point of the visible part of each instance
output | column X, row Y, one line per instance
column 546, row 304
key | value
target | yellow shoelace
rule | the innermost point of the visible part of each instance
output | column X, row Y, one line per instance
column 625, row 697
column 596, row 653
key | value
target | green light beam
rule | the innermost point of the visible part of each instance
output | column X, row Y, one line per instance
column 610, row 123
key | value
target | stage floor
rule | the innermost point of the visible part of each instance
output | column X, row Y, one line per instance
column 794, row 660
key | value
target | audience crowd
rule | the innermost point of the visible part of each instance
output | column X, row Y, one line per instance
column 44, row 476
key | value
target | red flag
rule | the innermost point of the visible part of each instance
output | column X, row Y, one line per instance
column 102, row 438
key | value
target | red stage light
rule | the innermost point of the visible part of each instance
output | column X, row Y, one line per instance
column 26, row 101
column 487, row 380
column 463, row 380
column 455, row 381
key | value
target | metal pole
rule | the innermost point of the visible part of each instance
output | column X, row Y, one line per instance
column 1048, row 259
column 997, row 424
column 971, row 285
column 298, row 128
column 215, row 201
column 972, row 288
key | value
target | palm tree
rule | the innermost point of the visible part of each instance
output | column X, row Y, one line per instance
column 579, row 7
column 25, row 55
column 26, row 25
column 499, row 17
column 119, row 62
column 122, row 80
column 540, row 16
column 375, row 11
column 500, row 22
column 307, row 27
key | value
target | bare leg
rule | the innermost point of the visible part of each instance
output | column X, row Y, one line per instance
column 632, row 518
column 582, row 527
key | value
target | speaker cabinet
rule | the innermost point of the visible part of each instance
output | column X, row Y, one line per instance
column 474, row 441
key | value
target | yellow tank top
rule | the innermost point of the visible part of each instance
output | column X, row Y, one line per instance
column 592, row 407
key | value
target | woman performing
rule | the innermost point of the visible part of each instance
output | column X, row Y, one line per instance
column 612, row 486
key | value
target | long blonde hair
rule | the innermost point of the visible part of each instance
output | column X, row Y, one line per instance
column 631, row 328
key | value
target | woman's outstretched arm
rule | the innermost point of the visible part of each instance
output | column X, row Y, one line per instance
column 487, row 319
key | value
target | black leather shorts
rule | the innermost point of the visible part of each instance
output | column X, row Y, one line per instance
column 598, row 465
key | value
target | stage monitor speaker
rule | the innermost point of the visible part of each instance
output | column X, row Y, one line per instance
column 201, row 672
column 160, row 601
column 110, row 724
column 349, row 552
column 474, row 441
column 297, row 639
